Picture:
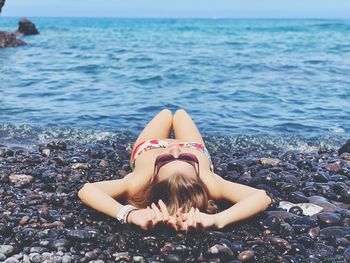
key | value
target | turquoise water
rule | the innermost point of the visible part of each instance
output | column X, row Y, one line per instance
column 274, row 78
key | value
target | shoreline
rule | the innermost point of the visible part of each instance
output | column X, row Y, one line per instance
column 42, row 217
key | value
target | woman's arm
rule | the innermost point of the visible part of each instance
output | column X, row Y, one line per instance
column 100, row 195
column 248, row 201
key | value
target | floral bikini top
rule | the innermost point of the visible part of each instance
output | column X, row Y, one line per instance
column 157, row 143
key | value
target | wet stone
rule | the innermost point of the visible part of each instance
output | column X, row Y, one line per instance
column 329, row 219
column 59, row 243
column 35, row 257
column 306, row 241
column 346, row 254
column 121, row 256
column 324, row 250
column 297, row 197
column 173, row 258
column 7, row 250
column 296, row 210
column 11, row 260
column 80, row 166
column 46, row 152
column 271, row 223
column 269, row 161
column 57, row 145
column 345, row 148
column 321, row 177
column 334, row 232
column 246, row 256
column 333, row 167
column 18, row 178
column 220, row 250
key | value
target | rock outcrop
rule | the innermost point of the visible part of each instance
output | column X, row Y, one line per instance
column 2, row 3
column 9, row 40
column 345, row 148
column 26, row 27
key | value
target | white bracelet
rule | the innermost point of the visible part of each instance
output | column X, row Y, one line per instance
column 123, row 212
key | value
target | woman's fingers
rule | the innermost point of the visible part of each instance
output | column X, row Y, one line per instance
column 164, row 210
column 190, row 221
column 158, row 214
column 167, row 219
column 179, row 222
column 149, row 217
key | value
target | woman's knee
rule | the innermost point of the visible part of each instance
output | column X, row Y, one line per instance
column 167, row 111
column 180, row 111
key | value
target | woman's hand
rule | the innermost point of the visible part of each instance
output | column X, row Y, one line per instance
column 195, row 219
column 151, row 217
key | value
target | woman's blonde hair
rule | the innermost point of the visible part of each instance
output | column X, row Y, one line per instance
column 177, row 190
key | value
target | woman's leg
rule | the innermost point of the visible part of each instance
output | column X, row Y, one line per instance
column 158, row 128
column 184, row 127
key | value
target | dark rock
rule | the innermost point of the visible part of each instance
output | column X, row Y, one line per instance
column 321, row 177
column 2, row 3
column 57, row 145
column 297, row 197
column 246, row 256
column 221, row 251
column 346, row 254
column 329, row 219
column 26, row 27
column 324, row 250
column 173, row 258
column 296, row 248
column 296, row 210
column 280, row 243
column 56, row 243
column 305, row 220
column 306, row 241
column 10, row 40
column 333, row 232
column 345, row 148
column 333, row 167
column 271, row 223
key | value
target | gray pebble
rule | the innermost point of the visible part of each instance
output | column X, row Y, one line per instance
column 46, row 256
column 56, row 259
column 46, row 152
column 37, row 250
column 11, row 260
column 66, row 259
column 25, row 259
column 35, row 257
column 2, row 257
column 7, row 250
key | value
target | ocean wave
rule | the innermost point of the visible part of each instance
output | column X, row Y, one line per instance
column 30, row 136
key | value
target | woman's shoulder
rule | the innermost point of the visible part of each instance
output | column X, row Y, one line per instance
column 211, row 181
column 136, row 181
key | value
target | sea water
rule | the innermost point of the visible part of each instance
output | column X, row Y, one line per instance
column 278, row 82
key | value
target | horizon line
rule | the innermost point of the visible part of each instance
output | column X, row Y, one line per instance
column 155, row 17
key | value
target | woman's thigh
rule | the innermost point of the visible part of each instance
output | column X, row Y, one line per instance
column 157, row 128
column 185, row 128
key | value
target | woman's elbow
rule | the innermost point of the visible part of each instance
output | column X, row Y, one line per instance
column 82, row 190
column 265, row 197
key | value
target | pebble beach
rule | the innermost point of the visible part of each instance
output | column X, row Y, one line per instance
column 43, row 220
